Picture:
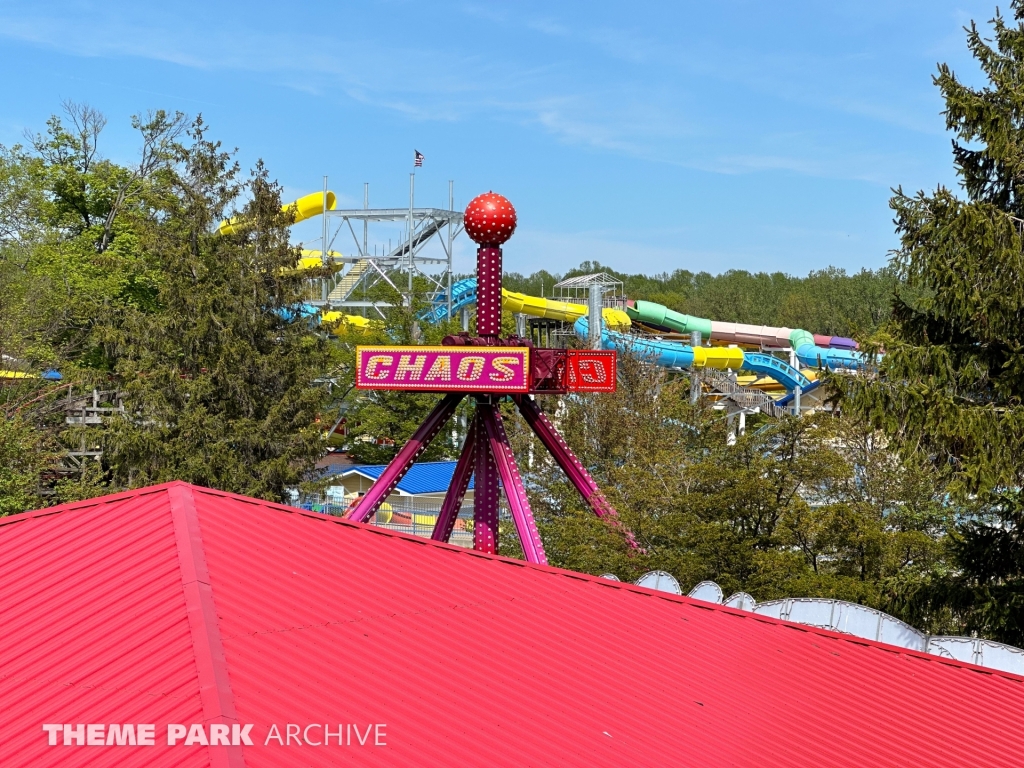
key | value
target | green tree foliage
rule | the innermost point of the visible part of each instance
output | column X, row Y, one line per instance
column 950, row 386
column 827, row 301
column 113, row 274
column 33, row 440
column 24, row 459
column 220, row 382
column 797, row 507
column 88, row 215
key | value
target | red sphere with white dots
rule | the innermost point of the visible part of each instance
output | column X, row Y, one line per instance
column 490, row 219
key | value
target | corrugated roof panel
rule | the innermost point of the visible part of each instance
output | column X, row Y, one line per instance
column 472, row 659
column 469, row 659
column 94, row 630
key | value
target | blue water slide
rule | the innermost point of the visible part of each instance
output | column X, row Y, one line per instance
column 813, row 356
column 672, row 355
column 463, row 294
column 661, row 353
column 781, row 371
column 296, row 311
column 836, row 359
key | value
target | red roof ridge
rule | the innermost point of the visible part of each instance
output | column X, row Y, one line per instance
column 134, row 493
column 215, row 692
column 550, row 569
column 95, row 501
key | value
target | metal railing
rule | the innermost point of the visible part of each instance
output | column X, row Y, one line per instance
column 742, row 396
column 405, row 516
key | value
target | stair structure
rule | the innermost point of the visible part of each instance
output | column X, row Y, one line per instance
column 347, row 284
column 743, row 397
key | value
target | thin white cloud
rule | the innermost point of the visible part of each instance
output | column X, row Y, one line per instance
column 874, row 168
column 799, row 77
column 638, row 113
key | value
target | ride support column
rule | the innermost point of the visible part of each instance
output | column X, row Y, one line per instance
column 488, row 290
column 486, row 490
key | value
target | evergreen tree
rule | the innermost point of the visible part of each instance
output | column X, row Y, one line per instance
column 70, row 261
column 224, row 383
column 950, row 385
column 112, row 274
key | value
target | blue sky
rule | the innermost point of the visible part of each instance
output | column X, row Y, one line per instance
column 648, row 136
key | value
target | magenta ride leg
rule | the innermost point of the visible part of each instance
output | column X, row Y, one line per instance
column 488, row 291
column 518, row 502
column 457, row 490
column 485, row 495
column 399, row 465
column 569, row 464
column 563, row 455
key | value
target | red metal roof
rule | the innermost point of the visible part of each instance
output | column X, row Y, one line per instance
column 177, row 604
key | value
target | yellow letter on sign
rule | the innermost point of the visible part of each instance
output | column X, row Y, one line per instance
column 377, row 366
column 440, row 369
column 407, row 365
column 501, row 365
column 471, row 368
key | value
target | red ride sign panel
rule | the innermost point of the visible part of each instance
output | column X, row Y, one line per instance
column 591, row 370
column 443, row 369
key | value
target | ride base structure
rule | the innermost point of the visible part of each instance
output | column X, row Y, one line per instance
column 489, row 369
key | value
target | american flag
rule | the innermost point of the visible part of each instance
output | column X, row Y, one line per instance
column 418, row 159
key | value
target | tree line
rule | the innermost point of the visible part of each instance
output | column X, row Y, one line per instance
column 827, row 301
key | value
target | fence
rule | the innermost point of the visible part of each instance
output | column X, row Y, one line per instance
column 406, row 516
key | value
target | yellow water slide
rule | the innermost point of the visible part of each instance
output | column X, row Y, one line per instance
column 311, row 260
column 535, row 307
column 339, row 323
column 550, row 309
column 305, row 207
column 720, row 358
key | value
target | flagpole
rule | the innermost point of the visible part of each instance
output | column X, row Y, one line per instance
column 451, row 207
column 323, row 249
column 412, row 192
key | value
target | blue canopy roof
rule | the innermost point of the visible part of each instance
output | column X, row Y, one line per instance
column 426, row 477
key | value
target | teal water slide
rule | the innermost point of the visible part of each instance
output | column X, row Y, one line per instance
column 674, row 355
column 832, row 352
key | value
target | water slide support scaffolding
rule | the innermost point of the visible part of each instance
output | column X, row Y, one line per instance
column 410, row 255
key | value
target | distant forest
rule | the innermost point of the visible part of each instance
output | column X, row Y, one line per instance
column 827, row 301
